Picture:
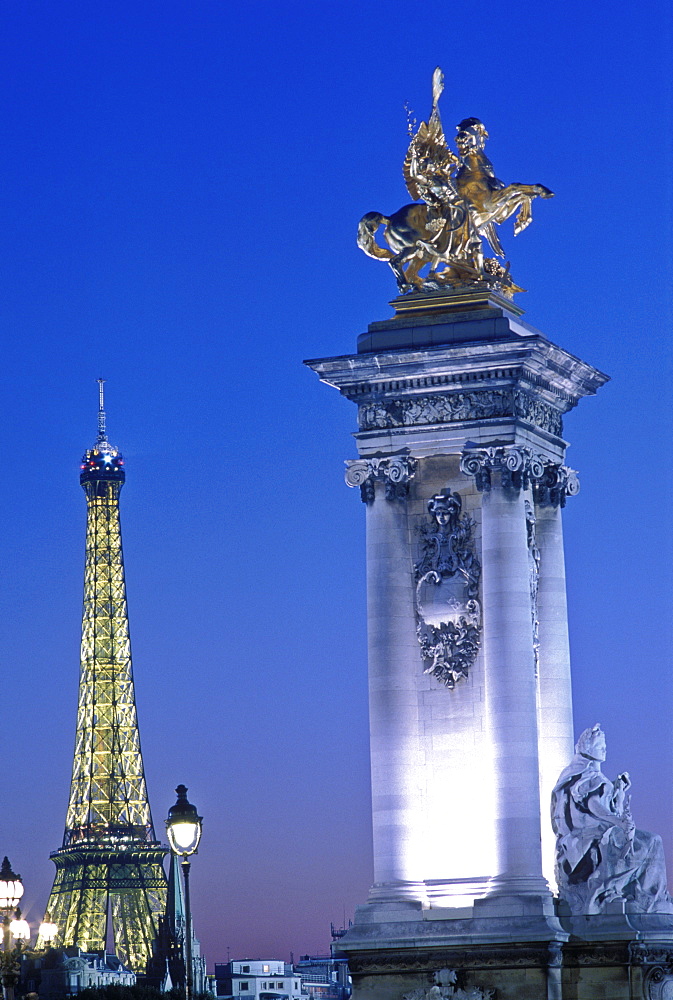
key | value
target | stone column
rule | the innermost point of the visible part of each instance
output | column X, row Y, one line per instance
column 503, row 475
column 393, row 703
column 554, row 682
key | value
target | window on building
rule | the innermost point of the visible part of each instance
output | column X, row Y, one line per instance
column 243, row 986
column 245, row 968
column 265, row 968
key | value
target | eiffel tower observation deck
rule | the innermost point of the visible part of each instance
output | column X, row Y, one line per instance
column 110, row 865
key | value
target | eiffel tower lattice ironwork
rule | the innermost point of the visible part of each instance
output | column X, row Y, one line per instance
column 110, row 864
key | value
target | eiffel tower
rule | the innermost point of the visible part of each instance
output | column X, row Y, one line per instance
column 110, row 864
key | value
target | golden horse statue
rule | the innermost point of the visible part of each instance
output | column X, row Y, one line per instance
column 458, row 201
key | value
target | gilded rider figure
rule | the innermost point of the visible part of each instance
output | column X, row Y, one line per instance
column 458, row 201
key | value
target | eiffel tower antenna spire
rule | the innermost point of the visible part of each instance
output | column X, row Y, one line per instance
column 110, row 857
column 101, row 410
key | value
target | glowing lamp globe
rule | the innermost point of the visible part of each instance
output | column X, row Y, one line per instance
column 48, row 930
column 11, row 886
column 183, row 825
column 19, row 928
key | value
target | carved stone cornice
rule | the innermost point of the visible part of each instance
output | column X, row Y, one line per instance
column 395, row 472
column 519, row 468
column 524, row 361
column 452, row 407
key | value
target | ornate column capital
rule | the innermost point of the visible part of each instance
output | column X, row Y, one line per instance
column 556, row 485
column 394, row 472
column 519, row 468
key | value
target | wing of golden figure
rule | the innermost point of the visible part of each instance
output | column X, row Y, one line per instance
column 411, row 168
column 427, row 156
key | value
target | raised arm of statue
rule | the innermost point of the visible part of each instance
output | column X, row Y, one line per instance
column 620, row 802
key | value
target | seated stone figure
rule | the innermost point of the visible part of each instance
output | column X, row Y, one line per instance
column 600, row 855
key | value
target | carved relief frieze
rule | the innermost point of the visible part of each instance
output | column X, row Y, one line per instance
column 479, row 404
column 651, row 953
column 448, row 614
column 597, row 955
column 417, row 960
column 537, row 412
column 519, row 468
column 394, row 472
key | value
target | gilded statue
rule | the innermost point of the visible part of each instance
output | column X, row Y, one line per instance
column 457, row 203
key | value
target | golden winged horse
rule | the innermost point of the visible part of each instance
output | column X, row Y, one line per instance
column 458, row 201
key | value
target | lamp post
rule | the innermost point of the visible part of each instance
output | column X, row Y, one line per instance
column 183, row 827
column 11, row 891
column 14, row 926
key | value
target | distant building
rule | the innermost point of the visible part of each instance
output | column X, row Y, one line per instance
column 62, row 972
column 258, row 980
column 324, row 977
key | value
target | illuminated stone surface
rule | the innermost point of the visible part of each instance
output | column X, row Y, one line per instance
column 463, row 397
column 456, row 774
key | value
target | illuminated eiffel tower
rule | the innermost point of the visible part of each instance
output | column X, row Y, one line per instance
column 110, row 864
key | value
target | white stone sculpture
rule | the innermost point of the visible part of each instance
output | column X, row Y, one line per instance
column 446, row 989
column 600, row 855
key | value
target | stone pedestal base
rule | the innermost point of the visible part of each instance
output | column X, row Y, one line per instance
column 434, row 954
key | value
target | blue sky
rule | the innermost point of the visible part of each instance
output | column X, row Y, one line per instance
column 180, row 190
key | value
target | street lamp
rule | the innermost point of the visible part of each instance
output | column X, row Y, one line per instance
column 183, row 827
column 19, row 928
column 14, row 926
column 11, row 887
column 11, row 891
column 48, row 930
